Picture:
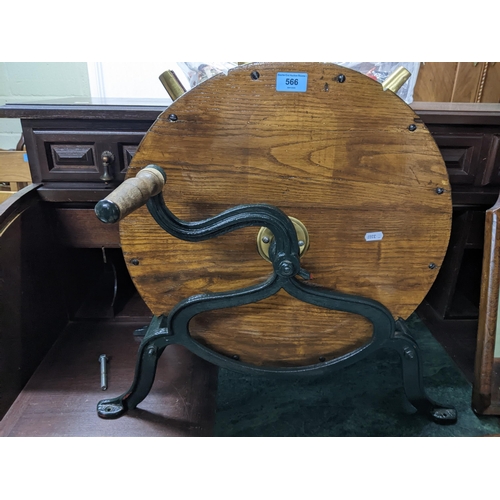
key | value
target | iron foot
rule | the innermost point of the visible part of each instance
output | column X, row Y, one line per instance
column 413, row 378
column 111, row 408
column 150, row 350
column 444, row 415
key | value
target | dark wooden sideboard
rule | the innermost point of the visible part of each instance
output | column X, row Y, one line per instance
column 468, row 137
column 65, row 294
column 67, row 266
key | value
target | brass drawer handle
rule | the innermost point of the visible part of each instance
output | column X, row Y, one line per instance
column 107, row 159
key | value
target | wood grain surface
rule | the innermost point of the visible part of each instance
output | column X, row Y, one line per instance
column 485, row 393
column 60, row 399
column 13, row 167
column 458, row 82
column 340, row 157
column 13, row 170
column 436, row 81
column 467, row 82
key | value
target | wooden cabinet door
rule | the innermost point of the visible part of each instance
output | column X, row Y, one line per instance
column 32, row 301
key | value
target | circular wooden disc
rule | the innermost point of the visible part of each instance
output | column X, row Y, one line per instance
column 339, row 157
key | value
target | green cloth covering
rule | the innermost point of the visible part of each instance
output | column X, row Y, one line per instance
column 364, row 399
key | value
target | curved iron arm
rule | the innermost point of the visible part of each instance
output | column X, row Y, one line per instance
column 284, row 252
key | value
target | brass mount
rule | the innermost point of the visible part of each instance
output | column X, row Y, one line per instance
column 265, row 237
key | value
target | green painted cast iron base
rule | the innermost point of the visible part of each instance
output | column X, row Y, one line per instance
column 173, row 329
column 287, row 275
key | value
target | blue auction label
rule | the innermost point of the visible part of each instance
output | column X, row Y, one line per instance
column 291, row 82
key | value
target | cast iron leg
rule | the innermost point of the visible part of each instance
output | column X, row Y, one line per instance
column 150, row 350
column 413, row 379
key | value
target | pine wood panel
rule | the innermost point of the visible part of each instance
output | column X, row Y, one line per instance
column 491, row 89
column 435, row 81
column 14, row 170
column 13, row 167
column 340, row 158
column 4, row 195
column 458, row 82
column 467, row 82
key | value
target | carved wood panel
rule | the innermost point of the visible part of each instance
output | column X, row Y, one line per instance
column 75, row 155
column 491, row 173
column 461, row 154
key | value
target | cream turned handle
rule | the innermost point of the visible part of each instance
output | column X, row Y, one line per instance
column 131, row 194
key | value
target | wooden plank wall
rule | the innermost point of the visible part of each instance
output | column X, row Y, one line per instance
column 458, row 82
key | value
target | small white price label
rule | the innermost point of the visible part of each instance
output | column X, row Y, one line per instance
column 376, row 236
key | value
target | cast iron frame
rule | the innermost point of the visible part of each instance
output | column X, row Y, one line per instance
column 284, row 253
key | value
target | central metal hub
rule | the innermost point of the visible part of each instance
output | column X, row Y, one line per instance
column 265, row 237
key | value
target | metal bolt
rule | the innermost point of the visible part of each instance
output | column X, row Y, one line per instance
column 432, row 265
column 341, row 78
column 254, row 75
column 152, row 351
column 135, row 262
column 265, row 239
column 104, row 376
column 286, row 268
column 412, row 127
column 172, row 117
column 409, row 353
column 236, row 357
column 322, row 359
column 439, row 190
column 301, row 243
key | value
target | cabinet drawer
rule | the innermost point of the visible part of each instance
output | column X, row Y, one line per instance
column 491, row 174
column 462, row 156
column 76, row 155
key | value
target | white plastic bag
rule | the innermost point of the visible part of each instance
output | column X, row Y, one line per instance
column 197, row 72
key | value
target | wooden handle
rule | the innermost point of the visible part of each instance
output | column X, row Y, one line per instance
column 131, row 194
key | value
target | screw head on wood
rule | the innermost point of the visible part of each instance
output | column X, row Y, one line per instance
column 432, row 265
column 135, row 262
column 172, row 117
column 439, row 190
column 412, row 127
column 254, row 75
column 341, row 78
